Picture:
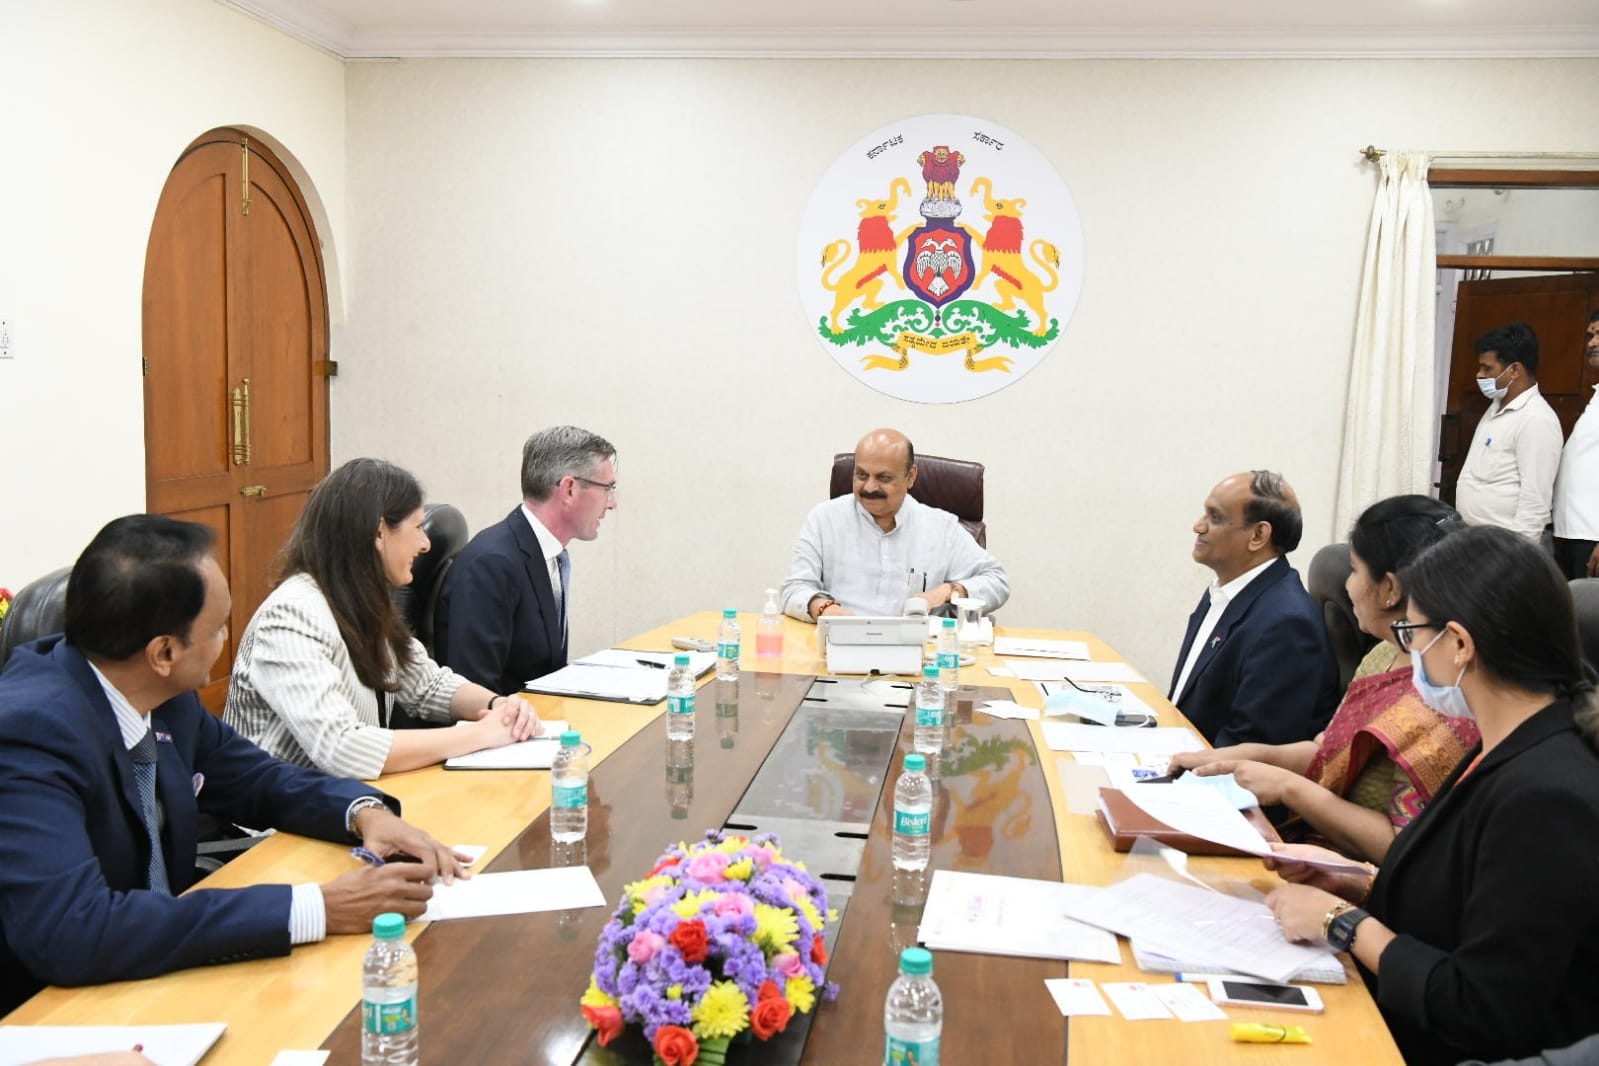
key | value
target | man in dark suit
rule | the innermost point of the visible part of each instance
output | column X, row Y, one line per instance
column 503, row 609
column 109, row 760
column 1256, row 664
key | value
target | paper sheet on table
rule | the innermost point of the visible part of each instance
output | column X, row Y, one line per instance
column 1222, row 786
column 698, row 661
column 1010, row 709
column 992, row 915
column 1081, row 782
column 301, row 1058
column 634, row 684
column 1186, row 921
column 1198, row 812
column 1082, row 673
column 167, row 1045
column 1076, row 996
column 1041, row 649
column 1136, row 1001
column 535, row 754
column 518, row 892
column 1075, row 736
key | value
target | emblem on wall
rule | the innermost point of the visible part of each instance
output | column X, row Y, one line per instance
column 964, row 266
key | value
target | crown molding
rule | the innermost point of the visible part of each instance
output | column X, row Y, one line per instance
column 306, row 22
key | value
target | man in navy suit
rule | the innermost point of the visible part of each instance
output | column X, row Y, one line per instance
column 502, row 613
column 109, row 758
column 1256, row 664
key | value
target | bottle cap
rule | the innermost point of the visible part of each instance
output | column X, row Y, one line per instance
column 917, row 962
column 949, row 623
column 571, row 738
column 930, row 672
column 729, row 612
column 916, row 762
column 680, row 659
column 388, row 926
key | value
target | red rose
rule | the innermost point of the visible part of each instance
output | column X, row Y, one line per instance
column 608, row 1020
column 768, row 990
column 676, row 1046
column 771, row 1016
column 819, row 952
column 691, row 939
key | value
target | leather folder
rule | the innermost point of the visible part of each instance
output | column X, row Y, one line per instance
column 1125, row 821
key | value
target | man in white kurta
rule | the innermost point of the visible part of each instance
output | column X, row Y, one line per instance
column 867, row 552
column 1508, row 478
column 1577, row 485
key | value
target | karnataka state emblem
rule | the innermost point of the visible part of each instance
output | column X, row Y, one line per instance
column 966, row 261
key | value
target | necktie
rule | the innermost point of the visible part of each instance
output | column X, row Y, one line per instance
column 143, row 755
column 563, row 562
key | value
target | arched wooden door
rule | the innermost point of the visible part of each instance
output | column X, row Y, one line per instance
column 235, row 361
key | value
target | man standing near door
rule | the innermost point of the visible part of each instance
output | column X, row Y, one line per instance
column 502, row 613
column 1577, row 486
column 1508, row 478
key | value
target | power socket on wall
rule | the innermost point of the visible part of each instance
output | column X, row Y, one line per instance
column 7, row 341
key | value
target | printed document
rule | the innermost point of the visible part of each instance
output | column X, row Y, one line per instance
column 169, row 1045
column 536, row 753
column 559, row 888
column 991, row 915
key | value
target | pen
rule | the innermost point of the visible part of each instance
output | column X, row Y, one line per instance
column 371, row 858
column 651, row 663
column 1163, row 779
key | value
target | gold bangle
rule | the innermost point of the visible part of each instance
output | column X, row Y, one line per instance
column 1326, row 923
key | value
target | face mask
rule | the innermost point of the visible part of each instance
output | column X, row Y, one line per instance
column 1447, row 700
column 1490, row 387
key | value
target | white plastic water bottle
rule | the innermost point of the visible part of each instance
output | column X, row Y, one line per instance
column 913, row 814
column 949, row 656
column 569, row 813
column 680, row 699
column 727, row 644
column 769, row 634
column 929, row 730
column 913, row 1014
column 388, row 996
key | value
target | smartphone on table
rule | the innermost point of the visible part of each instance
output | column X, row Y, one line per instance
column 1255, row 994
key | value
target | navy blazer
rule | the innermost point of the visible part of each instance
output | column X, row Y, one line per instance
column 497, row 622
column 75, row 907
column 1267, row 673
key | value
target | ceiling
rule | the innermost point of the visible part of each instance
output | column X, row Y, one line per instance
column 355, row 29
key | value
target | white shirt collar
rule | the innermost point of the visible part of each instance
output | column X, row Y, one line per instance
column 130, row 722
column 1500, row 406
column 907, row 507
column 1226, row 593
column 549, row 543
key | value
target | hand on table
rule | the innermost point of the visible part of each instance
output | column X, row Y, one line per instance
column 516, row 718
column 387, row 835
column 353, row 900
column 1300, row 911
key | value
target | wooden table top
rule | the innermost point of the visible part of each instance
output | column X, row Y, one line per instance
column 304, row 1000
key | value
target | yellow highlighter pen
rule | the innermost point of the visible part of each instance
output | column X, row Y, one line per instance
column 1256, row 1033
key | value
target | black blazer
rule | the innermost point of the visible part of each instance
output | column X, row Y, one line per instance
column 497, row 623
column 1267, row 674
column 1494, row 890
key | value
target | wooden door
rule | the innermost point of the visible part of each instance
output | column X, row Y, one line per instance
column 1556, row 306
column 235, row 361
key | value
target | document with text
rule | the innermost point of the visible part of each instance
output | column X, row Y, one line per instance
column 992, row 915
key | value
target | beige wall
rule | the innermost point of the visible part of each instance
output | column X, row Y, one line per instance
column 611, row 243
column 97, row 100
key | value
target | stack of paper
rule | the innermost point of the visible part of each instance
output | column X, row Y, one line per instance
column 168, row 1045
column 618, row 674
column 535, row 754
column 1041, row 649
column 990, row 915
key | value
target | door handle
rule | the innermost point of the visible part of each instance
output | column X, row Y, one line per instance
column 253, row 490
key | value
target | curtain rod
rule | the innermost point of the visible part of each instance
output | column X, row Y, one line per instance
column 1371, row 153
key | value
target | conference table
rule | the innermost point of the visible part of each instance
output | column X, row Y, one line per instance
column 505, row 989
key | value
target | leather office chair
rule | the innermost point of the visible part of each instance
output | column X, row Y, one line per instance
column 1329, row 569
column 447, row 532
column 38, row 610
column 1585, row 594
column 953, row 485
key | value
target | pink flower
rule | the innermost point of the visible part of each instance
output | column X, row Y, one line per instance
column 709, row 866
column 788, row 964
column 734, row 903
column 762, row 853
column 644, row 945
column 795, row 890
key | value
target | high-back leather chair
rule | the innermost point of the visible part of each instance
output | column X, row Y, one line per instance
column 447, row 532
column 1329, row 569
column 1585, row 594
column 953, row 485
column 39, row 609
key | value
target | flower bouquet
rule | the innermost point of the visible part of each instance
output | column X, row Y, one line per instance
column 720, row 942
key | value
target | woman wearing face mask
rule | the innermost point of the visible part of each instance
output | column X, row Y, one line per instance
column 1479, row 938
column 1385, row 752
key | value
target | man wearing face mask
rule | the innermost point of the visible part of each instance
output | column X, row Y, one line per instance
column 1508, row 478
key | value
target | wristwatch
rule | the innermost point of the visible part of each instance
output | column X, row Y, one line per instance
column 361, row 804
column 1338, row 929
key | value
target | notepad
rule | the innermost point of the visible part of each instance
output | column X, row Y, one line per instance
column 535, row 754
column 618, row 674
column 168, row 1045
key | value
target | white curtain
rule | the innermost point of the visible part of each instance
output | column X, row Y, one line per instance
column 1388, row 423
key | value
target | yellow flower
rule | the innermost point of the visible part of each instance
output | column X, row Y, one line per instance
column 775, row 928
column 690, row 905
column 674, row 992
column 742, row 870
column 595, row 996
column 733, row 845
column 808, row 909
column 800, row 993
column 723, row 1011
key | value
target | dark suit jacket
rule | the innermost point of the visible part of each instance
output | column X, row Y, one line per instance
column 74, row 854
column 1267, row 673
column 497, row 622
column 1494, row 892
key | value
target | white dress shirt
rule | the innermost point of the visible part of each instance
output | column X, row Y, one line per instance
column 1509, row 475
column 1577, row 485
column 552, row 548
column 1220, row 597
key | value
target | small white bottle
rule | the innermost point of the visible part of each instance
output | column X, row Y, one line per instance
column 727, row 639
column 769, row 634
column 680, row 699
column 388, row 996
column 949, row 656
column 913, row 814
column 913, row 1014
column 928, row 735
column 569, row 810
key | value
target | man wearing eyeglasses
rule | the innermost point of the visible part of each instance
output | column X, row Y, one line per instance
column 503, row 610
